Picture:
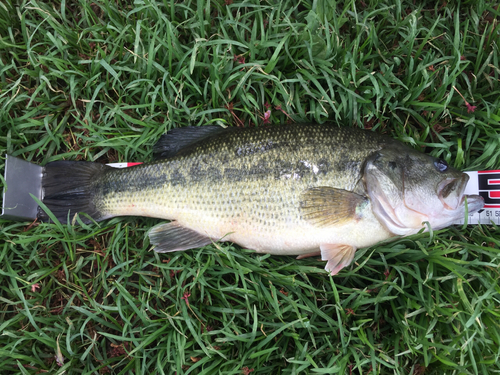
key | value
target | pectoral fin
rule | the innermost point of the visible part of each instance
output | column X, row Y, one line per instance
column 325, row 206
column 174, row 237
column 338, row 256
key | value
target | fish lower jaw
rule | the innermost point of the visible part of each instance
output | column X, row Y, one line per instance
column 474, row 202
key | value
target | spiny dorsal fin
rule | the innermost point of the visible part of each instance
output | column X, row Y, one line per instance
column 174, row 237
column 324, row 206
column 178, row 139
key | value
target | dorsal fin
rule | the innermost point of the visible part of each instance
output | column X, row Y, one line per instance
column 178, row 139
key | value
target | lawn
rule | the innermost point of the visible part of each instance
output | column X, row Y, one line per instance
column 101, row 81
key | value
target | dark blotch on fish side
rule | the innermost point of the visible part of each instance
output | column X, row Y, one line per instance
column 323, row 166
column 199, row 173
column 177, row 177
column 234, row 174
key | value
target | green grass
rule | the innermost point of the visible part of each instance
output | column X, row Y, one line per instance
column 102, row 81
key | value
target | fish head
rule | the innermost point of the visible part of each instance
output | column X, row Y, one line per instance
column 408, row 188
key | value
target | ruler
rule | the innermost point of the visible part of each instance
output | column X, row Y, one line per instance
column 487, row 185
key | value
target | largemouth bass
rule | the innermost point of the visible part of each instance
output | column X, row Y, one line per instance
column 290, row 190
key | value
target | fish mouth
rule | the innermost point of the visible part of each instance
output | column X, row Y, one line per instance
column 451, row 192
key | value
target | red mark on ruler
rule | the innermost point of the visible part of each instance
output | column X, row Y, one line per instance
column 495, row 194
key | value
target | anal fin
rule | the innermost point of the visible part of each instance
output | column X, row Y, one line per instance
column 338, row 256
column 174, row 237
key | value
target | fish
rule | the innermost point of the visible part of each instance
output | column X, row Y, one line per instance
column 299, row 189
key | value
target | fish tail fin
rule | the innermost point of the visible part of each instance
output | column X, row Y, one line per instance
column 70, row 187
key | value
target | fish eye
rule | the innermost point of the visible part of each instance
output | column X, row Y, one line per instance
column 441, row 165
